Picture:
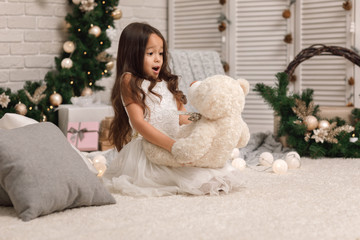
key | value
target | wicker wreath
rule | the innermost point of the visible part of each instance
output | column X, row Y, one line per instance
column 321, row 49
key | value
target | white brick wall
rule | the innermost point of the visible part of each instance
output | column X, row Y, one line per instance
column 32, row 35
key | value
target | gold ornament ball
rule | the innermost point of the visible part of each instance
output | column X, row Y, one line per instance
column 116, row 14
column 110, row 65
column 86, row 91
column 69, row 46
column 311, row 122
column 21, row 109
column 66, row 63
column 95, row 30
column 76, row 2
column 55, row 99
column 323, row 124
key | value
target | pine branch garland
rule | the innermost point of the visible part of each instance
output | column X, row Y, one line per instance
column 294, row 108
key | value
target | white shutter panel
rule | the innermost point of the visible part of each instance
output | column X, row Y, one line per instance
column 193, row 24
column 324, row 22
column 258, row 52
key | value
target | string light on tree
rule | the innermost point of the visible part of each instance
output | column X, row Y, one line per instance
column 353, row 139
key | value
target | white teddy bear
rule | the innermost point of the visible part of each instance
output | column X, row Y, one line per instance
column 209, row 141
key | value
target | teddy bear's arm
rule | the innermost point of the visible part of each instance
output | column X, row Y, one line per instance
column 191, row 148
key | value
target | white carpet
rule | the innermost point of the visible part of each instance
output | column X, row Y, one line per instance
column 321, row 200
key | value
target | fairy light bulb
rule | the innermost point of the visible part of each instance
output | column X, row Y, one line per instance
column 279, row 166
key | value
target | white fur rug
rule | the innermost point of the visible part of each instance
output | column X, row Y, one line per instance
column 321, row 200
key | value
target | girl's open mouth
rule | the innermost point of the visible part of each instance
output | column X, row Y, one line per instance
column 156, row 69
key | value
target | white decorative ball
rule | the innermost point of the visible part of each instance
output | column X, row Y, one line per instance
column 66, row 63
column 99, row 159
column 266, row 159
column 311, row 122
column 293, row 160
column 95, row 30
column 323, row 124
column 239, row 163
column 235, row 153
column 76, row 2
column 69, row 46
column 100, row 167
column 293, row 154
column 279, row 166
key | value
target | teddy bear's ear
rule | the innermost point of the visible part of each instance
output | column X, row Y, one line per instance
column 244, row 85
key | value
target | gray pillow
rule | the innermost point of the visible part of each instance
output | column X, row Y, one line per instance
column 4, row 198
column 41, row 173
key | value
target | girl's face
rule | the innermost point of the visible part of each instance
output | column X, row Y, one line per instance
column 153, row 58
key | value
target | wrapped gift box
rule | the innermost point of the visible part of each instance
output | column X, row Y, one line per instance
column 84, row 135
column 104, row 134
column 91, row 113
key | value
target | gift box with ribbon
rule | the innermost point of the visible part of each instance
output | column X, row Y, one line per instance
column 84, row 135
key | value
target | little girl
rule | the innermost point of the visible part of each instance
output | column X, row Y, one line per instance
column 146, row 101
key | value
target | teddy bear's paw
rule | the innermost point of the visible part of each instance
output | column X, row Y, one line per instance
column 182, row 155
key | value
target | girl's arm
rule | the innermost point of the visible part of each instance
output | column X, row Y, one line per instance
column 183, row 119
column 136, row 116
column 148, row 131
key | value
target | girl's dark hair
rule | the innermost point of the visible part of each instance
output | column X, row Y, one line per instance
column 130, row 59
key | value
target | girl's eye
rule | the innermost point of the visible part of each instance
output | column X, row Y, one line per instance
column 161, row 54
column 150, row 53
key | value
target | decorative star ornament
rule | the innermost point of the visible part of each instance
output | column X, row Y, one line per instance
column 4, row 100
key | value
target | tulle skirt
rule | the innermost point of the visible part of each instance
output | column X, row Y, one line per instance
column 130, row 173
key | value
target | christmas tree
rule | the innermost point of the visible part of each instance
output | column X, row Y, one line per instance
column 303, row 128
column 82, row 63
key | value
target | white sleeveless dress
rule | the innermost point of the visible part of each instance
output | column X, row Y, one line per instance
column 131, row 173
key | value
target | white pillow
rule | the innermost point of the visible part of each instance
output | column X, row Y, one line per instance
column 13, row 120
